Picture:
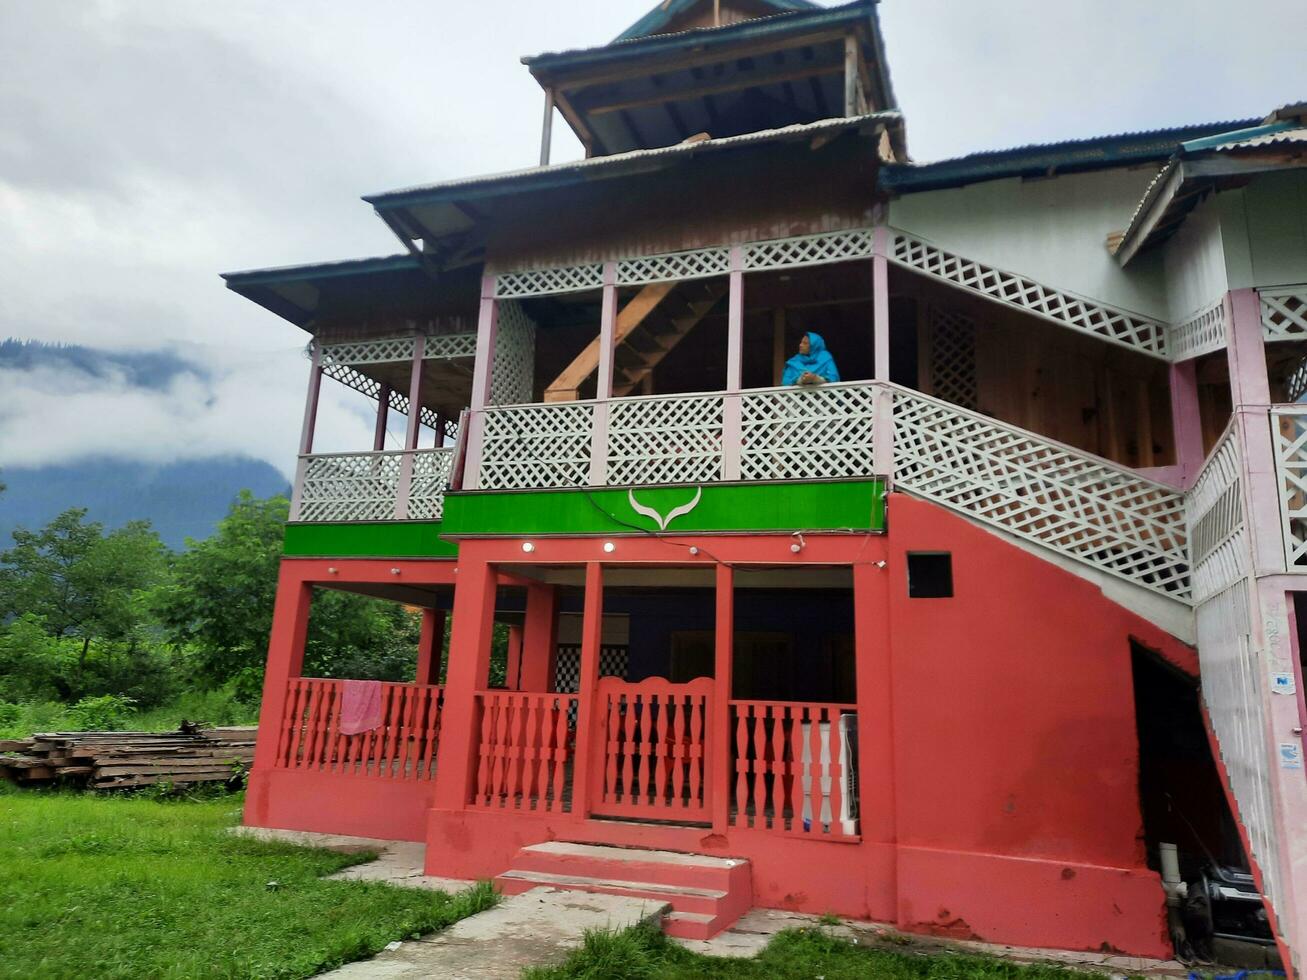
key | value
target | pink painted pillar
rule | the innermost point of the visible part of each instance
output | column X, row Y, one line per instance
column 1250, row 393
column 469, row 667
column 383, row 414
column 290, row 624
column 604, row 377
column 414, row 427
column 588, row 742
column 719, row 735
column 883, row 422
column 539, row 647
column 306, row 429
column 430, row 642
column 487, row 330
column 731, row 407
column 1186, row 421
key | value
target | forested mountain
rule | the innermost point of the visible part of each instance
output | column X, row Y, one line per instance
column 185, row 499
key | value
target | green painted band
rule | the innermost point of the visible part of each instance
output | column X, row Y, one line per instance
column 398, row 539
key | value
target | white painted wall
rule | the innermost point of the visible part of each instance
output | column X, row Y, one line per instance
column 1264, row 227
column 1053, row 230
column 1193, row 262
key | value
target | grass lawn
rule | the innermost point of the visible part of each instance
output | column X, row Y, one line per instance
column 111, row 886
column 646, row 954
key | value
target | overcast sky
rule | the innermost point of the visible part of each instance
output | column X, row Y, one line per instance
column 147, row 145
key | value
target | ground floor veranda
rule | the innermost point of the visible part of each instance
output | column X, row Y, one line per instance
column 949, row 745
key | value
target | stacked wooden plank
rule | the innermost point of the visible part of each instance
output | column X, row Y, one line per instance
column 111, row 760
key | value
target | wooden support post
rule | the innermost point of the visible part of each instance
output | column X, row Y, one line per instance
column 487, row 329
column 719, row 737
column 539, row 644
column 731, row 409
column 604, row 377
column 850, row 75
column 430, row 644
column 290, row 624
column 383, row 415
column 405, row 483
column 1186, row 420
column 440, row 430
column 311, row 401
column 778, row 349
column 466, row 675
column 587, row 740
column 547, row 130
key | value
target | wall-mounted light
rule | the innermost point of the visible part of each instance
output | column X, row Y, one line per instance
column 694, row 550
column 799, row 544
column 609, row 547
column 333, row 570
column 394, row 571
column 528, row 547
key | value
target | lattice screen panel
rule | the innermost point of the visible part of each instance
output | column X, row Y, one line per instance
column 512, row 373
column 1284, row 312
column 349, row 487
column 397, row 401
column 543, row 282
column 807, row 433
column 426, row 494
column 835, row 246
column 953, row 357
column 537, row 446
column 1232, row 691
column 1107, row 323
column 1214, row 512
column 674, row 266
column 1202, row 333
column 665, row 439
column 449, row 346
column 388, row 350
column 1289, row 429
column 1069, row 502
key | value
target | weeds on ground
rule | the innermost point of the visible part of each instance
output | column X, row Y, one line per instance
column 644, row 953
column 126, row 887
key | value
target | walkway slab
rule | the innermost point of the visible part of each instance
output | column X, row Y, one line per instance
column 399, row 862
column 536, row 928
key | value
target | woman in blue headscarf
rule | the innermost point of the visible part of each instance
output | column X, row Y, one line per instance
column 813, row 365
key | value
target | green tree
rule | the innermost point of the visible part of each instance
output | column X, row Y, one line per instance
column 219, row 606
column 82, row 583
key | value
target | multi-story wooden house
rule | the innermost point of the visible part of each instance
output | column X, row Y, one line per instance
column 921, row 646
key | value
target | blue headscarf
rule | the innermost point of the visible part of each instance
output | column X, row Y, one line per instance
column 817, row 360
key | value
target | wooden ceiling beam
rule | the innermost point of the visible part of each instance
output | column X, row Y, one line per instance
column 742, row 81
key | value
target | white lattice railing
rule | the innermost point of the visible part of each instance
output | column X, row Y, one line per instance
column 1202, row 333
column 1289, row 433
column 1108, row 323
column 382, row 486
column 1068, row 501
column 664, row 439
column 1215, row 517
column 807, row 433
column 1283, row 312
column 536, row 446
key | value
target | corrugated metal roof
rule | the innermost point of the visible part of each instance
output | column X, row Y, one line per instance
column 1288, row 137
column 664, row 13
column 595, row 165
column 634, row 46
column 1043, row 158
column 322, row 270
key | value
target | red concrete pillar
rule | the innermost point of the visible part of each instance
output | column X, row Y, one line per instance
column 469, row 665
column 719, row 738
column 586, row 740
column 874, row 675
column 429, row 646
column 290, row 624
column 539, row 644
column 513, row 664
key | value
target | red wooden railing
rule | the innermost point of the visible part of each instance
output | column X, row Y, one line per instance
column 524, row 751
column 652, row 739
column 790, row 766
column 403, row 746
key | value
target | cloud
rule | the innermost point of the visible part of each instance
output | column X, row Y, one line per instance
column 217, row 403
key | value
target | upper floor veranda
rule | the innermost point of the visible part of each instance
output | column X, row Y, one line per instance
column 1006, row 345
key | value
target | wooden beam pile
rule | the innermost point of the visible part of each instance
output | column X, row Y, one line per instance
column 113, row 760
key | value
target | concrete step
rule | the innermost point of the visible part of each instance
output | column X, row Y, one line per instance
column 705, row 893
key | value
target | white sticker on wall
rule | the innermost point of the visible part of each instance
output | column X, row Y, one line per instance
column 1290, row 755
column 1282, row 682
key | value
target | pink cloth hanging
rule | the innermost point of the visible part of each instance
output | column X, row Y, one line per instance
column 360, row 706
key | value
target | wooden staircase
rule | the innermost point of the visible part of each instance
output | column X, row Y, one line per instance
column 648, row 328
column 706, row 894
